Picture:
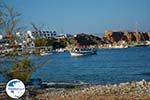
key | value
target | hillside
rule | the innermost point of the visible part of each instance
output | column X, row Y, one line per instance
column 86, row 39
column 127, row 36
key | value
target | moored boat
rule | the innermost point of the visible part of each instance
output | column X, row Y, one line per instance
column 45, row 53
column 120, row 46
column 82, row 51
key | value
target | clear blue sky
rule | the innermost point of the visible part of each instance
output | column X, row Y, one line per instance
column 91, row 16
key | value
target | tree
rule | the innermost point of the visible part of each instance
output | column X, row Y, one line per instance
column 9, row 24
column 72, row 42
column 36, row 27
column 11, row 20
column 21, row 70
column 40, row 42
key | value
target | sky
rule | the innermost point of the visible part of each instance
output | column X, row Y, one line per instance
column 90, row 16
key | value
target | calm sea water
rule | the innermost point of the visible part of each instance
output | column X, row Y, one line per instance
column 108, row 66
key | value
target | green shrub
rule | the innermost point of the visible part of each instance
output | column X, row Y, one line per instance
column 21, row 70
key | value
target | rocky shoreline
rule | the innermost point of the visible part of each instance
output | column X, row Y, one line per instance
column 135, row 90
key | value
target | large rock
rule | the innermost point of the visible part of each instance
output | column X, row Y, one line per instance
column 86, row 39
column 127, row 36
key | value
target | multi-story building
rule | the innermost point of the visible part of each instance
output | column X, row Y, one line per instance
column 41, row 34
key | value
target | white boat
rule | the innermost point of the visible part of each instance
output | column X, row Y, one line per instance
column 120, row 46
column 60, row 50
column 45, row 53
column 82, row 51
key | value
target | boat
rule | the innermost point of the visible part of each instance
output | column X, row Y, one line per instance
column 120, row 46
column 82, row 51
column 60, row 50
column 44, row 53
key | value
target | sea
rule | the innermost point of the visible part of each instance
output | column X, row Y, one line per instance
column 108, row 66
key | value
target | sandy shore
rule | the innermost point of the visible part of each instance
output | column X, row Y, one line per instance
column 124, row 91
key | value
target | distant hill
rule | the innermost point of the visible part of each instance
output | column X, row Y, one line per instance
column 86, row 39
column 127, row 36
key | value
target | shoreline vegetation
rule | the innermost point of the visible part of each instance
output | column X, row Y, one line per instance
column 135, row 90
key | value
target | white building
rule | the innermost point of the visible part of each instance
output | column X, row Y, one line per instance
column 41, row 34
column 1, row 37
column 61, row 36
column 25, row 40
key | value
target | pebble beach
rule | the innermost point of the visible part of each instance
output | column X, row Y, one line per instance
column 135, row 90
column 124, row 91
